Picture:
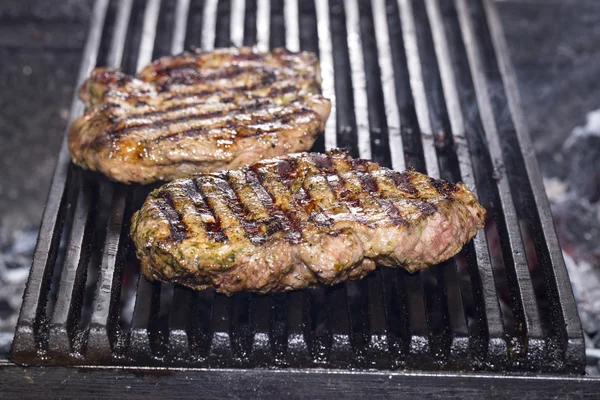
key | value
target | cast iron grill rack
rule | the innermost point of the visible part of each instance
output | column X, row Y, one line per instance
column 413, row 83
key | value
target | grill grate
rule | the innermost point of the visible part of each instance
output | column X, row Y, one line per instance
column 413, row 83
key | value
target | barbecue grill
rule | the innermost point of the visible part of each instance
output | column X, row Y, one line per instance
column 425, row 84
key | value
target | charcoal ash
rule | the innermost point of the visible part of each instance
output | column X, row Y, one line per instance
column 575, row 203
column 15, row 260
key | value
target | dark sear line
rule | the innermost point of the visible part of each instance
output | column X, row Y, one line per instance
column 190, row 75
column 284, row 221
column 369, row 184
column 165, row 205
column 427, row 208
column 252, row 228
column 213, row 228
column 443, row 187
column 227, row 96
column 179, row 63
column 402, row 182
column 117, row 131
column 207, row 93
column 289, row 170
column 342, row 195
column 276, row 119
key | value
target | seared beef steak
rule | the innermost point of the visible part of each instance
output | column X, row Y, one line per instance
column 198, row 112
column 297, row 221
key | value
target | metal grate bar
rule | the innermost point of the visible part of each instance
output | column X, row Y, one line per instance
column 200, row 334
column 179, row 338
column 336, row 343
column 264, row 351
column 424, row 65
column 236, row 25
column 409, row 33
column 386, row 67
column 147, row 300
column 327, row 73
column 298, row 323
column 423, row 157
column 369, row 126
column 263, row 24
column 357, row 68
column 67, row 309
column 397, row 318
column 241, row 328
column 181, row 17
column 144, row 314
column 292, row 29
column 179, row 318
column 516, row 265
column 378, row 345
column 102, row 334
column 209, row 24
column 250, row 23
column 278, row 327
column 419, row 347
column 277, row 29
column 572, row 344
column 221, row 351
column 148, row 34
column 480, row 264
column 34, row 297
column 289, row 311
column 394, row 299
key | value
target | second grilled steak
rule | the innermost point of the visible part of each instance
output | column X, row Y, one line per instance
column 298, row 221
column 198, row 112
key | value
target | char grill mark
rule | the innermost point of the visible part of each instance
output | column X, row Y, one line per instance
column 351, row 200
column 175, row 68
column 443, row 187
column 210, row 218
column 427, row 208
column 227, row 113
column 230, row 92
column 252, row 228
column 182, row 102
column 242, row 128
column 291, row 174
column 420, row 206
column 402, row 182
column 277, row 182
column 369, row 184
column 213, row 186
column 278, row 220
column 167, row 208
column 344, row 199
column 239, row 130
column 264, row 75
column 358, row 196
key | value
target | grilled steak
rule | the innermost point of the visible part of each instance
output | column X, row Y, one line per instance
column 198, row 112
column 297, row 221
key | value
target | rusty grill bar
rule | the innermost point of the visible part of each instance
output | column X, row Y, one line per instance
column 413, row 83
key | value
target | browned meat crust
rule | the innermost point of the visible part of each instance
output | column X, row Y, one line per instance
column 298, row 221
column 198, row 112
